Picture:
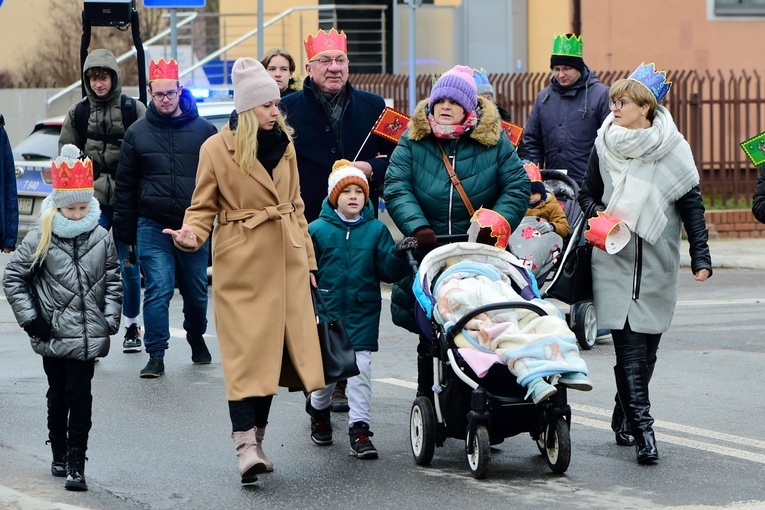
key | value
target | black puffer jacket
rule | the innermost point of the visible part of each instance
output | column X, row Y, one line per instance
column 758, row 201
column 158, row 168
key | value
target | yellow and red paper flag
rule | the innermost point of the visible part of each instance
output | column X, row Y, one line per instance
column 391, row 124
column 514, row 132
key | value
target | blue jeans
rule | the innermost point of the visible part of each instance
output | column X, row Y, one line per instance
column 164, row 265
column 131, row 275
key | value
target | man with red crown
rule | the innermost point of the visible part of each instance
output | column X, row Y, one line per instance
column 332, row 121
column 155, row 181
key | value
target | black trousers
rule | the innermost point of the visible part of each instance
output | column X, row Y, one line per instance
column 631, row 346
column 70, row 402
column 249, row 413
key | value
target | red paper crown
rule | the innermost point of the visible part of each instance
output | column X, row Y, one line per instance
column 494, row 228
column 533, row 171
column 163, row 70
column 71, row 178
column 325, row 41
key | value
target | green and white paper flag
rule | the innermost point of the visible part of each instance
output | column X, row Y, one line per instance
column 754, row 148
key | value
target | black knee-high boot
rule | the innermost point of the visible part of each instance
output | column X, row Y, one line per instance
column 619, row 423
column 425, row 376
column 632, row 384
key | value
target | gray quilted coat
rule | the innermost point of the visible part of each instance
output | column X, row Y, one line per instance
column 79, row 295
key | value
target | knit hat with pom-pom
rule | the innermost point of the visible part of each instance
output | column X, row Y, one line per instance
column 72, row 178
column 344, row 174
column 458, row 85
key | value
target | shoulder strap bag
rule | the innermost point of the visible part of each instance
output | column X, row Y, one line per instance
column 456, row 181
column 337, row 354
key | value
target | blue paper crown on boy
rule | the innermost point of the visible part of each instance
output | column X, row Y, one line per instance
column 655, row 81
column 482, row 83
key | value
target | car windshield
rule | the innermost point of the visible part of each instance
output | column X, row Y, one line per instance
column 40, row 145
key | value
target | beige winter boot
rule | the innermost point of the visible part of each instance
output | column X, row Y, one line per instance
column 250, row 463
column 260, row 432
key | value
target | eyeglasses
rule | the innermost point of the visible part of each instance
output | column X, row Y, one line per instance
column 326, row 61
column 619, row 103
column 160, row 96
column 561, row 69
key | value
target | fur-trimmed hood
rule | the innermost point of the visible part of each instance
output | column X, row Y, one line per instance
column 487, row 132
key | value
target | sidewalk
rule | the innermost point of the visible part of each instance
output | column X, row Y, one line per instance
column 744, row 253
column 14, row 500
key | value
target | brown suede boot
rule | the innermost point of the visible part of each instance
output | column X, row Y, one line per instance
column 260, row 432
column 250, row 463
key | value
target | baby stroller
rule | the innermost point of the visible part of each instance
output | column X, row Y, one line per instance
column 581, row 316
column 482, row 411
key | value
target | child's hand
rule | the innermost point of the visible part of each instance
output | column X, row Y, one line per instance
column 185, row 236
column 38, row 328
column 543, row 227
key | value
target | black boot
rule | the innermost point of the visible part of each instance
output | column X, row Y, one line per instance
column 619, row 423
column 75, row 470
column 58, row 447
column 632, row 384
column 620, row 426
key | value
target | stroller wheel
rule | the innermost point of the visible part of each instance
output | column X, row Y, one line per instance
column 557, row 441
column 422, row 430
column 478, row 459
column 586, row 325
column 541, row 442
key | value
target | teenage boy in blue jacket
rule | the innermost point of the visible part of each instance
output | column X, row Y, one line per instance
column 354, row 252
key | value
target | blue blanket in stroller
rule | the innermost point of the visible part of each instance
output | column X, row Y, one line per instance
column 467, row 276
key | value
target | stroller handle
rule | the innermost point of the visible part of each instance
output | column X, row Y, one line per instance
column 454, row 330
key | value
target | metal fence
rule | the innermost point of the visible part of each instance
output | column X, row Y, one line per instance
column 715, row 111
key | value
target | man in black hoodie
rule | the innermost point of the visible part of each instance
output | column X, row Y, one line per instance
column 155, row 181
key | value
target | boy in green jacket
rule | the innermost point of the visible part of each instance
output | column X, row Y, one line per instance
column 354, row 252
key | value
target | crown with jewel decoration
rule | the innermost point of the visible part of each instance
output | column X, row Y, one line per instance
column 163, row 70
column 325, row 41
column 568, row 44
column 655, row 81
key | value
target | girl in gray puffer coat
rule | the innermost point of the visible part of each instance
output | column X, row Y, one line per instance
column 64, row 287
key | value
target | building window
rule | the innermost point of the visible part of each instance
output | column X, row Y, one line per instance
column 739, row 7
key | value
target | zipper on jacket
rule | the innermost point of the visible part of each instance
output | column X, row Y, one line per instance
column 82, row 296
column 451, row 191
column 638, row 270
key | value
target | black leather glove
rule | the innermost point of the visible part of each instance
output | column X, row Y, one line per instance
column 38, row 328
column 132, row 258
column 426, row 238
column 543, row 227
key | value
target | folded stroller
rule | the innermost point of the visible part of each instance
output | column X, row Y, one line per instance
column 474, row 400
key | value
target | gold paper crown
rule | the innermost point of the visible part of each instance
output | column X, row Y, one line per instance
column 163, row 70
column 568, row 45
column 71, row 178
column 325, row 41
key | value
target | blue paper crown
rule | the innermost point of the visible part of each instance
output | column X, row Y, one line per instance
column 653, row 80
column 480, row 77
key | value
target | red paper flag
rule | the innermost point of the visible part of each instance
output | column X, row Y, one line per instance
column 514, row 132
column 391, row 124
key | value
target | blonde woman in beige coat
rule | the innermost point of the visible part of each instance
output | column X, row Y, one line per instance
column 262, row 255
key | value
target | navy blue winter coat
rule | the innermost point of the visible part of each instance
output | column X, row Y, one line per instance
column 317, row 149
column 9, row 209
column 157, row 172
column 352, row 260
column 563, row 124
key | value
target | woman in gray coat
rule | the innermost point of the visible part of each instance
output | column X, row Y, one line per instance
column 63, row 284
column 642, row 172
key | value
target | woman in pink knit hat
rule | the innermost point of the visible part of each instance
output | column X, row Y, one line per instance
column 248, row 180
column 453, row 130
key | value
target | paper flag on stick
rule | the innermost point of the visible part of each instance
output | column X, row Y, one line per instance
column 754, row 148
column 514, row 132
column 391, row 124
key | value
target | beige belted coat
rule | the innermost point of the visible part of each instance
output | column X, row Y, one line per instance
column 262, row 255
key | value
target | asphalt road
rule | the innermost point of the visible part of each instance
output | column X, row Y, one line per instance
column 164, row 444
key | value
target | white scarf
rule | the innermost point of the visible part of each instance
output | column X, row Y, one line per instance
column 650, row 168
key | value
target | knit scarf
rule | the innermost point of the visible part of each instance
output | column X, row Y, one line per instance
column 452, row 132
column 650, row 168
column 69, row 229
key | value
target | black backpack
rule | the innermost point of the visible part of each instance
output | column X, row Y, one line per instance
column 82, row 113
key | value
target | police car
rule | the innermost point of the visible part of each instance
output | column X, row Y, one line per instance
column 32, row 157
